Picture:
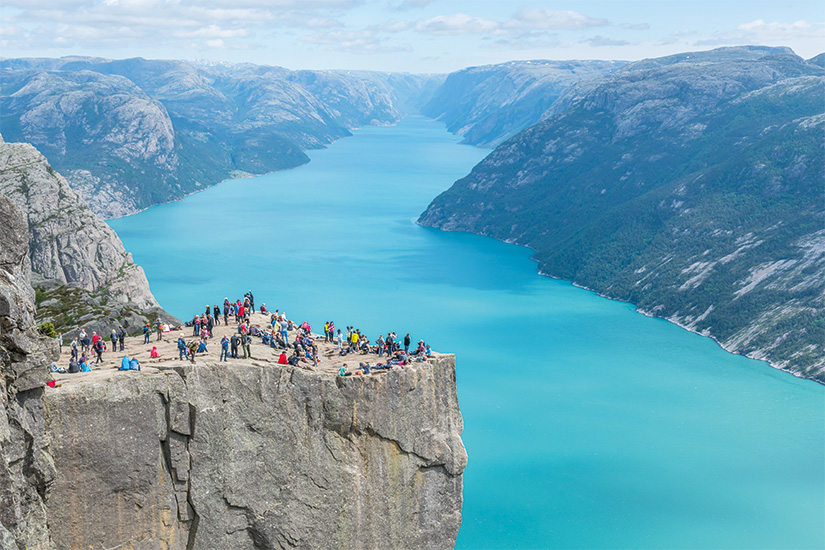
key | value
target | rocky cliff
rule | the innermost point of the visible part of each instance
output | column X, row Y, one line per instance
column 82, row 272
column 132, row 133
column 690, row 185
column 489, row 104
column 250, row 455
column 26, row 468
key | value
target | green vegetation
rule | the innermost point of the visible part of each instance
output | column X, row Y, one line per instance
column 676, row 218
column 47, row 329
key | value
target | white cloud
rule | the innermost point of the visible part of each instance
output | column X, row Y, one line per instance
column 212, row 31
column 361, row 42
column 458, row 23
column 542, row 18
column 539, row 19
column 775, row 29
column 602, row 41
column 413, row 4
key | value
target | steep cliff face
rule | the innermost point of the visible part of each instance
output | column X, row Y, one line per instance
column 488, row 104
column 690, row 185
column 258, row 456
column 72, row 252
column 26, row 468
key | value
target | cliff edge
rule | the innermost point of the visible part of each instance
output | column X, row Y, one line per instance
column 256, row 455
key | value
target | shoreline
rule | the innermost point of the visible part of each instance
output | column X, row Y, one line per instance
column 771, row 364
column 247, row 175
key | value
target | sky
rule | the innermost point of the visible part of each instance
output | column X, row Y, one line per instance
column 419, row 36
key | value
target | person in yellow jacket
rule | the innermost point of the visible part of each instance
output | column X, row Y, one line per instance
column 356, row 334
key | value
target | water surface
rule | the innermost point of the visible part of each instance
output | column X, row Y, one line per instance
column 587, row 425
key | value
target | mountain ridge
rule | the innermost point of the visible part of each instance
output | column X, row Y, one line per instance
column 687, row 186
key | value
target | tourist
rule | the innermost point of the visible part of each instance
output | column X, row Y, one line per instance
column 121, row 337
column 74, row 346
column 379, row 344
column 154, row 353
column 193, row 349
column 60, row 342
column 340, row 341
column 246, row 342
column 216, row 313
column 159, row 326
column 147, row 331
column 202, row 346
column 182, row 349
column 224, row 348
column 233, row 345
column 407, row 341
column 282, row 358
column 113, row 338
column 98, row 349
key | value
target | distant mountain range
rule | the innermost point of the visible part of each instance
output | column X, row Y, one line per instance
column 691, row 185
column 133, row 133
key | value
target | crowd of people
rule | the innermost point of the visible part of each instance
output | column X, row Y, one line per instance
column 295, row 344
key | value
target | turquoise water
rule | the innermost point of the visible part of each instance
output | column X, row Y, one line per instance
column 587, row 425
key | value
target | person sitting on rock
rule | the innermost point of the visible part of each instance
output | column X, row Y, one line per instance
column 282, row 360
column 202, row 346
column 154, row 353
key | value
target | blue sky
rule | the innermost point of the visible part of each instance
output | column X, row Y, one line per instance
column 401, row 35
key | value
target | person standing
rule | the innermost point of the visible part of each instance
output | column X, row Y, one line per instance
column 340, row 340
column 60, row 341
column 407, row 341
column 224, row 348
column 246, row 342
column 233, row 346
column 159, row 326
column 380, row 345
column 147, row 331
column 113, row 338
column 216, row 314
column 74, row 346
column 98, row 348
column 183, row 351
column 121, row 337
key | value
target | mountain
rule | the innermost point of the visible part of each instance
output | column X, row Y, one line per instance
column 132, row 133
column 690, row 185
column 489, row 104
column 82, row 274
